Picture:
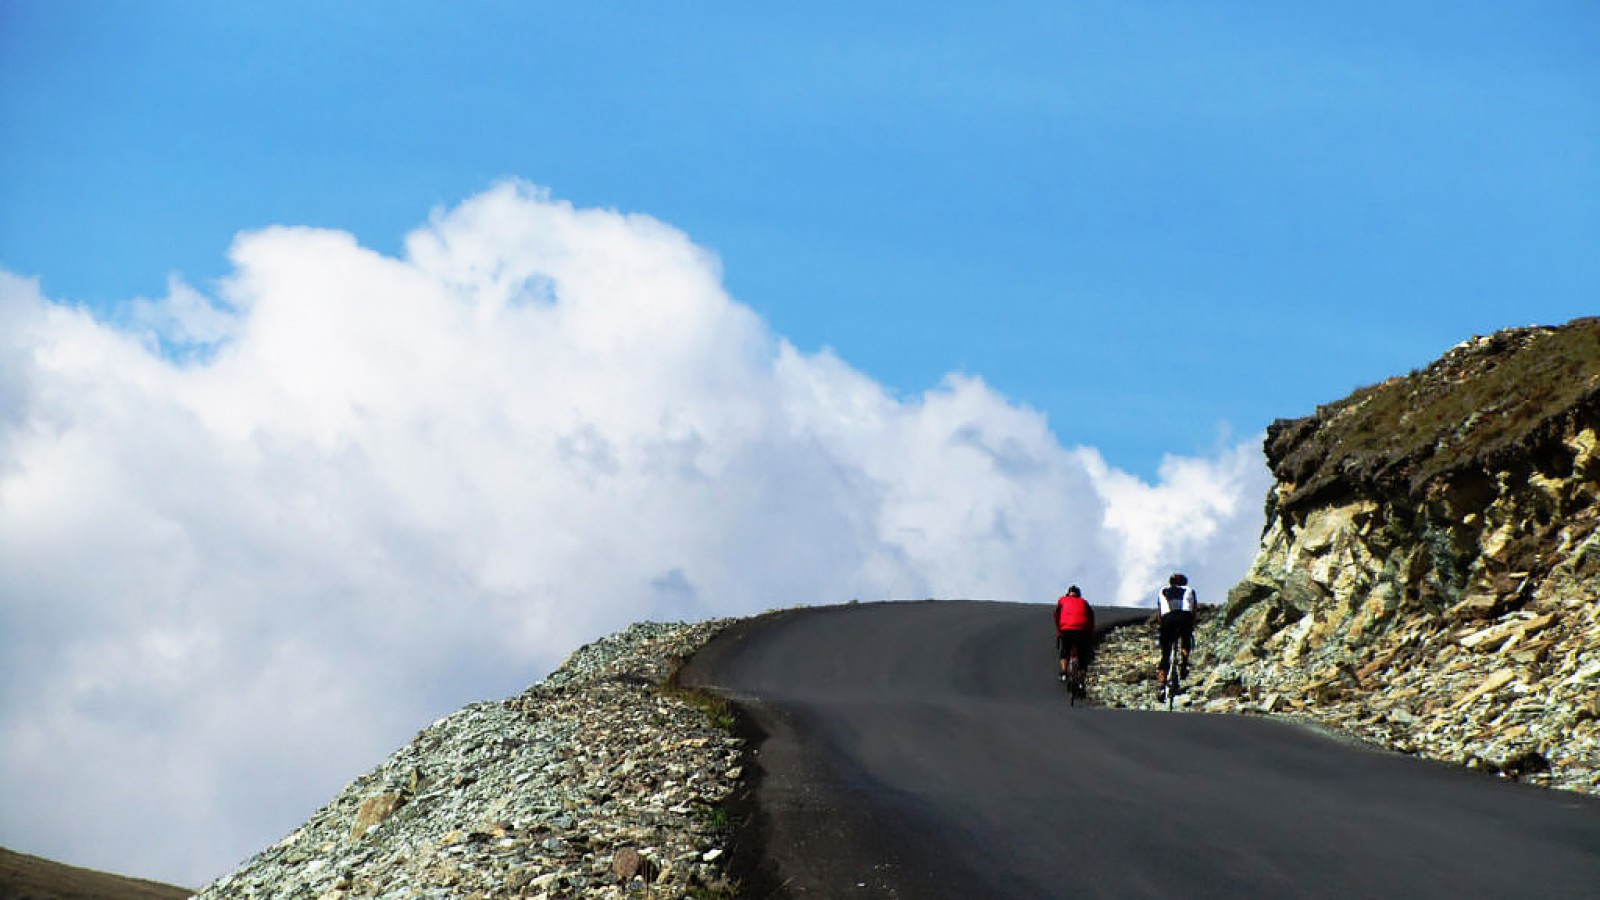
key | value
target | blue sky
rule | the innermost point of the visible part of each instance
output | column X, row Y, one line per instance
column 1143, row 219
column 361, row 360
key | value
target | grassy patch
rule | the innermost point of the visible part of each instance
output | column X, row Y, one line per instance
column 1490, row 401
column 719, row 714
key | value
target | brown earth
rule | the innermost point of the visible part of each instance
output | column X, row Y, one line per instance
column 24, row 877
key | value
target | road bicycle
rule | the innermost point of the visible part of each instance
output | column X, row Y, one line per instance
column 1077, row 680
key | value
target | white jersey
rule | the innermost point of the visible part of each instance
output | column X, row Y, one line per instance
column 1181, row 599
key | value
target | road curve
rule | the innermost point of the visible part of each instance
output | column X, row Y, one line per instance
column 925, row 750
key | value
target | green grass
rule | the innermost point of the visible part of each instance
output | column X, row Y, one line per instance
column 718, row 713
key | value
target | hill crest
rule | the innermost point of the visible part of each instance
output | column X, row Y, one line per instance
column 1429, row 574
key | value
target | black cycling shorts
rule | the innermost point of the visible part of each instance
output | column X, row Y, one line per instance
column 1176, row 626
column 1082, row 638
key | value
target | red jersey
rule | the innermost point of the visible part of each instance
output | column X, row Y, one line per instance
column 1074, row 614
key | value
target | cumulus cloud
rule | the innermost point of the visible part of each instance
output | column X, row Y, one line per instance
column 253, row 541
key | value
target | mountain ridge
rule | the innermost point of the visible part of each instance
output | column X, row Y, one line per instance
column 27, row 877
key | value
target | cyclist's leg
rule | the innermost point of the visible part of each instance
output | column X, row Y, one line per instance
column 1166, row 650
column 1062, row 649
column 1188, row 643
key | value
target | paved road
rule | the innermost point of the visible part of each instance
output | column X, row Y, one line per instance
column 924, row 750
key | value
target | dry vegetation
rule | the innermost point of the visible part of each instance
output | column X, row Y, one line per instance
column 1485, row 403
column 25, row 877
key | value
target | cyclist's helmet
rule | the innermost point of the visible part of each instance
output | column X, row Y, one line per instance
column 1179, row 579
column 1074, row 592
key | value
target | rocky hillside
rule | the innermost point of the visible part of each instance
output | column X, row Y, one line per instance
column 600, row 781
column 1429, row 576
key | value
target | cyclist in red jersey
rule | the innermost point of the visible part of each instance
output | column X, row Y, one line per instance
column 1074, row 629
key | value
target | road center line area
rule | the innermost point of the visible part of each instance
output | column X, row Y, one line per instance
column 926, row 750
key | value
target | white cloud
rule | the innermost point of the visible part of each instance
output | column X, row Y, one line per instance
column 253, row 542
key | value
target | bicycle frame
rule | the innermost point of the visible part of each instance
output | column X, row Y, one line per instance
column 1077, row 679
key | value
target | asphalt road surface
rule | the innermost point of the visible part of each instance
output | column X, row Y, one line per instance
column 925, row 750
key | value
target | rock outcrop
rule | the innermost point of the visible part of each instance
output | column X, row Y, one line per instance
column 600, row 781
column 1429, row 576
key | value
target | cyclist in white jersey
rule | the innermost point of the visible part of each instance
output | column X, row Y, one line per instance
column 1176, row 605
